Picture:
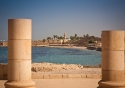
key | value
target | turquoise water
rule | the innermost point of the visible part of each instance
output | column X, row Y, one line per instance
column 59, row 55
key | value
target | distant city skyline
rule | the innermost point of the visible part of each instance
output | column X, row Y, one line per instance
column 54, row 17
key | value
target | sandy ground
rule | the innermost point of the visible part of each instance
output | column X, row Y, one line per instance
column 62, row 83
column 50, row 68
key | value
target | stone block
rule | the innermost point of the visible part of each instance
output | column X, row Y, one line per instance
column 1, row 71
column 55, row 76
column 5, row 77
column 19, row 29
column 93, row 76
column 83, row 75
column 108, row 75
column 5, row 69
column 19, row 49
column 19, row 70
column 113, row 60
column 46, row 76
column 37, row 76
column 74, row 75
column 113, row 40
column 65, row 76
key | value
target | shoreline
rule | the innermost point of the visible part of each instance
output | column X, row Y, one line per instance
column 41, row 69
column 67, row 46
column 51, row 68
column 73, row 47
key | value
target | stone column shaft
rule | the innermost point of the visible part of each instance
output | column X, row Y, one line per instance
column 112, row 59
column 19, row 54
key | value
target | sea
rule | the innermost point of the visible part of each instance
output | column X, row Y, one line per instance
column 59, row 56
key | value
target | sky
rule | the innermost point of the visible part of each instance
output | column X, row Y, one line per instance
column 54, row 17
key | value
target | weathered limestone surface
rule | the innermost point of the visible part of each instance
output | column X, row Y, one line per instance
column 113, row 40
column 46, row 67
column 74, row 76
column 93, row 76
column 19, row 54
column 55, row 76
column 112, row 59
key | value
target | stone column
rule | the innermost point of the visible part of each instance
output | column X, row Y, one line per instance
column 112, row 59
column 19, row 54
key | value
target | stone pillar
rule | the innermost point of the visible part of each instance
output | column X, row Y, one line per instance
column 112, row 59
column 19, row 54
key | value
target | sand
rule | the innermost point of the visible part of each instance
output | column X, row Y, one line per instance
column 62, row 83
column 50, row 68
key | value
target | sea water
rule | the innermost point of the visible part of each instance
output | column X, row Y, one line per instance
column 59, row 55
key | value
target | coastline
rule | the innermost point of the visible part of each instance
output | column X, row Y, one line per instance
column 73, row 47
column 60, row 74
column 60, row 70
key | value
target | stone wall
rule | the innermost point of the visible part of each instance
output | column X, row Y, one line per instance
column 3, row 71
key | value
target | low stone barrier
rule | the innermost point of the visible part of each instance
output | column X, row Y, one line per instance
column 65, row 76
column 3, row 75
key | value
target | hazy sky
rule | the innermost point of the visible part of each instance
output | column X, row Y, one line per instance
column 54, row 17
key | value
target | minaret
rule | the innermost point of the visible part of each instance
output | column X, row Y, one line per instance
column 64, row 35
column 64, row 40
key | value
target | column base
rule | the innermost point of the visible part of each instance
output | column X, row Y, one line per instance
column 111, row 84
column 20, row 87
column 16, row 84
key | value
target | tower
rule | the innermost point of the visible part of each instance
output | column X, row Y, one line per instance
column 64, row 40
